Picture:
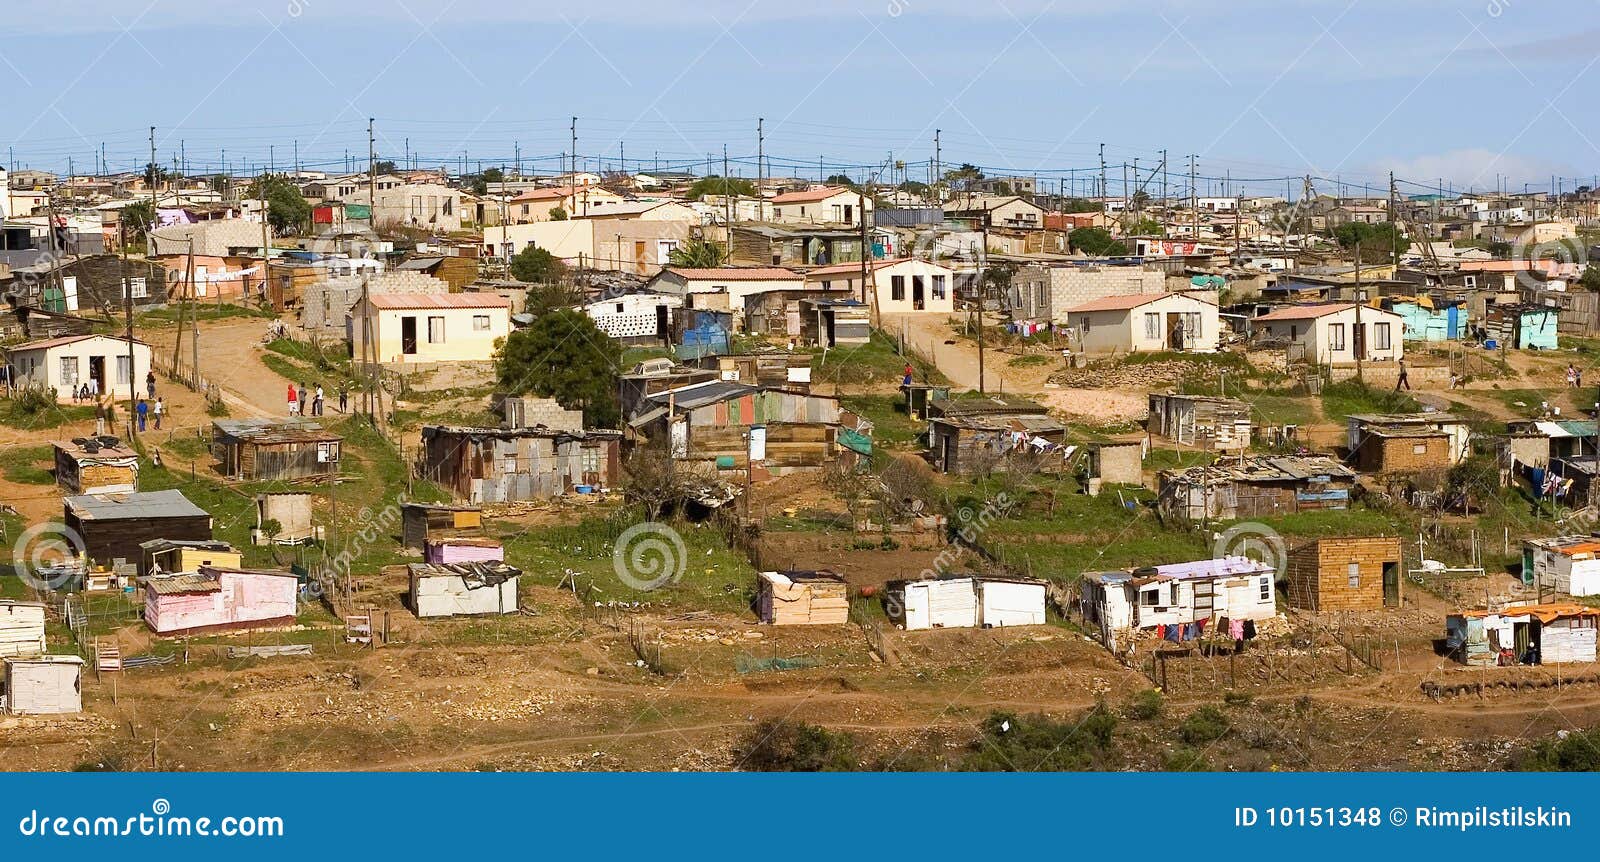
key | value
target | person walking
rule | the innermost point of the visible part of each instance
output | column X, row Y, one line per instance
column 316, row 402
column 141, row 410
column 1402, row 382
column 160, row 408
column 99, row 418
column 304, row 402
column 150, row 384
column 294, row 401
column 344, row 398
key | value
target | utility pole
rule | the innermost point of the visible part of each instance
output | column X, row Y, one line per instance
column 761, row 151
column 374, row 395
column 938, row 170
column 149, row 241
column 1194, row 202
column 572, row 176
column 983, row 290
column 1102, row 192
column 1358, row 342
column 1164, row 205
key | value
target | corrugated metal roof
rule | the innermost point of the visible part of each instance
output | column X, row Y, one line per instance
column 736, row 273
column 147, row 504
column 182, row 584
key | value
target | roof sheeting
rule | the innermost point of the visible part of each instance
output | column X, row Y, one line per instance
column 437, row 300
column 147, row 504
column 736, row 273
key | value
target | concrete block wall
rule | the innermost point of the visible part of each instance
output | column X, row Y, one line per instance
column 324, row 305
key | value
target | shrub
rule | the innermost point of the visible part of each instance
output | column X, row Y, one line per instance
column 1237, row 698
column 1186, row 760
column 781, row 745
column 1146, row 705
column 1578, row 751
column 1037, row 743
column 1206, row 724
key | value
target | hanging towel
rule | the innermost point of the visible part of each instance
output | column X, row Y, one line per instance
column 1236, row 630
column 1249, row 629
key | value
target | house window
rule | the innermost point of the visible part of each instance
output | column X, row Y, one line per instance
column 1335, row 336
column 591, row 459
column 1039, row 296
column 827, row 286
column 1380, row 336
column 436, row 330
column 328, row 452
column 137, row 288
column 939, row 288
column 1266, row 588
column 1294, row 331
column 449, row 206
column 69, row 370
column 1191, row 324
column 777, row 212
column 480, row 322
column 897, row 288
column 1150, row 598
column 1355, row 576
column 124, row 370
column 1152, row 326
column 1419, row 448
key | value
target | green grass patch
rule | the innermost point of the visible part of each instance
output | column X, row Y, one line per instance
column 1032, row 360
column 14, row 414
column 28, row 465
column 891, row 424
column 171, row 314
column 876, row 362
column 1340, row 400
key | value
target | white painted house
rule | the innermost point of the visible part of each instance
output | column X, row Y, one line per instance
column 636, row 317
column 1566, row 564
column 900, row 285
column 1188, row 595
column 938, row 603
column 65, row 364
column 723, row 287
column 1146, row 322
column 44, row 685
column 429, row 327
column 1329, row 333
column 822, row 205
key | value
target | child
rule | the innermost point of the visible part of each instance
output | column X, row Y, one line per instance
column 161, row 407
column 142, row 409
column 294, row 401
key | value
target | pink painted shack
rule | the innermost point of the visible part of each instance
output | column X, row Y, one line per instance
column 219, row 599
column 465, row 549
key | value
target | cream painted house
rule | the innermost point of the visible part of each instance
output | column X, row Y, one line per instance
column 724, row 288
column 1146, row 322
column 429, row 327
column 536, row 205
column 66, row 364
column 823, row 205
column 631, row 237
column 424, row 205
column 900, row 285
column 1329, row 334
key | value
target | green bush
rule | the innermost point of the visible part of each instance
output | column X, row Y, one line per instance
column 1037, row 743
column 1206, row 724
column 1186, row 760
column 782, row 745
column 1146, row 705
column 1578, row 751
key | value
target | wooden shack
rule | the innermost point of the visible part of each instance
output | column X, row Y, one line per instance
column 802, row 598
column 292, row 511
column 44, row 685
column 169, row 555
column 1255, row 486
column 217, row 599
column 1118, row 462
column 1202, row 421
column 503, row 465
column 96, row 465
column 1345, row 573
column 463, row 589
column 973, row 433
column 114, row 526
column 271, row 449
column 421, row 523
column 21, row 628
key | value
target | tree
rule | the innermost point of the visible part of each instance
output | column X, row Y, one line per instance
column 913, row 187
column 1144, row 227
column 963, row 176
column 384, row 166
column 287, row 209
column 564, row 356
column 1096, row 241
column 558, row 214
column 155, row 174
column 1081, row 205
column 720, row 186
column 1140, row 199
column 841, row 180
column 699, row 253
column 536, row 264
column 786, row 745
column 1382, row 239
column 136, row 219
column 546, row 298
column 1590, row 280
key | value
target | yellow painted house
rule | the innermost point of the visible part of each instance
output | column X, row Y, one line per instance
column 429, row 327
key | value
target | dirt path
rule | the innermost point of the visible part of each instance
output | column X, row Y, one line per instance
column 230, row 356
column 957, row 358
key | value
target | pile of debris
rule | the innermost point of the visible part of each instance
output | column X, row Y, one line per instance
column 1130, row 375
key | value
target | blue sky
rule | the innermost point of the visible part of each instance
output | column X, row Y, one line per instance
column 1471, row 91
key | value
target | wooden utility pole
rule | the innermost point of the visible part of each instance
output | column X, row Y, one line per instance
column 983, row 290
column 761, row 151
column 1194, row 202
column 374, row 394
column 1358, row 341
column 155, row 217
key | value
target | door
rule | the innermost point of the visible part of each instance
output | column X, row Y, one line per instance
column 97, row 372
column 918, row 294
column 1359, row 342
column 916, row 607
column 1391, row 585
column 662, row 328
column 1174, row 331
column 408, row 335
column 638, row 256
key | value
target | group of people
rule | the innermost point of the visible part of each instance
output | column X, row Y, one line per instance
column 299, row 399
column 145, row 408
column 1574, row 375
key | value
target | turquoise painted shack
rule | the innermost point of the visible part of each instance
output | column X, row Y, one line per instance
column 1523, row 327
column 1437, row 323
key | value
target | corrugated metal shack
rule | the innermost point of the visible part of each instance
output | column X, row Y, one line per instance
column 834, row 322
column 777, row 369
column 21, row 628
column 503, row 465
column 728, row 425
column 292, row 511
column 463, row 589
column 1204, row 421
column 425, row 522
column 266, row 449
column 1523, row 327
column 1255, row 486
column 96, row 465
column 44, row 685
column 1551, row 633
column 220, row 599
column 976, row 432
column 114, row 526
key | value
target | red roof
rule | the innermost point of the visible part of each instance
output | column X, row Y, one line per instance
column 1122, row 303
column 736, row 273
column 809, row 195
column 1307, row 312
column 555, row 193
column 437, row 300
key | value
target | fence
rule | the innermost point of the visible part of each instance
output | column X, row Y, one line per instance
column 871, row 630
